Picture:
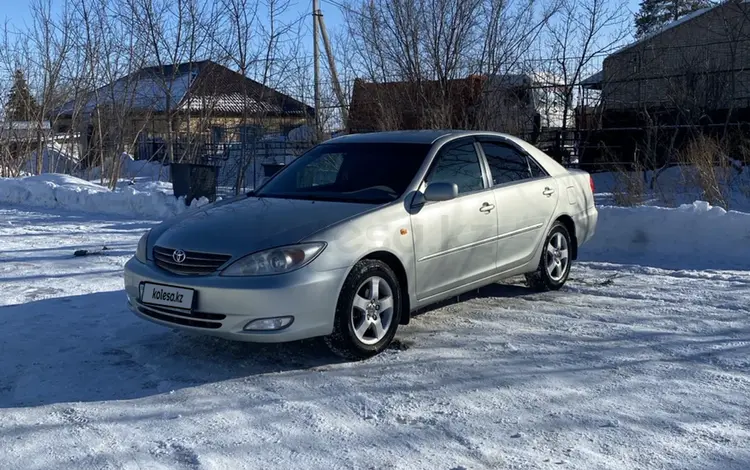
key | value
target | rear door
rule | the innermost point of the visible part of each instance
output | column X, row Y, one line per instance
column 455, row 242
column 526, row 198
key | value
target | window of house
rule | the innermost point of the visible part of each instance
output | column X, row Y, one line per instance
column 507, row 165
column 458, row 163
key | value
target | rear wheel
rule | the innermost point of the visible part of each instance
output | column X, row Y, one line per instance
column 368, row 311
column 554, row 265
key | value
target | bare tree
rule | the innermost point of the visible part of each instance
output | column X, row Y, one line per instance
column 41, row 51
column 175, row 32
column 260, row 40
column 430, row 46
column 577, row 39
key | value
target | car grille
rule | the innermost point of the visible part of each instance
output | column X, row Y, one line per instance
column 195, row 263
column 210, row 321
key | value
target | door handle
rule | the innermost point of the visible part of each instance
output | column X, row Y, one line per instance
column 548, row 192
column 486, row 208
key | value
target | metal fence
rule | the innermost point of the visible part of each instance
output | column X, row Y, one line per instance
column 244, row 155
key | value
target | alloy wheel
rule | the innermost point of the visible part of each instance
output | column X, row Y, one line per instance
column 372, row 310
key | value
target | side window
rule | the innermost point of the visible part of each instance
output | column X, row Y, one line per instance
column 506, row 164
column 458, row 164
column 536, row 169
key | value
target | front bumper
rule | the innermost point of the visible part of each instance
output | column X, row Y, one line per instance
column 224, row 305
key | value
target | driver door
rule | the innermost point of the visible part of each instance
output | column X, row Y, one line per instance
column 455, row 241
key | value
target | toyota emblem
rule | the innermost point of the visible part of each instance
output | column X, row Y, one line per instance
column 179, row 256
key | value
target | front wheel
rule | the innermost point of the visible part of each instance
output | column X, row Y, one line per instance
column 554, row 265
column 368, row 311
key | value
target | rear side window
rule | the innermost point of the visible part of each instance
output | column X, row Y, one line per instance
column 507, row 165
column 536, row 169
column 458, row 163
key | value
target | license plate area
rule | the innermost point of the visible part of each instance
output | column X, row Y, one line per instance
column 167, row 296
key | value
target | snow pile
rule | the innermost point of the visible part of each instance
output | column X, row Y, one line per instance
column 132, row 169
column 55, row 158
column 150, row 199
column 691, row 236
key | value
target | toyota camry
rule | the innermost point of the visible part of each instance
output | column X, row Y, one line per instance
column 359, row 232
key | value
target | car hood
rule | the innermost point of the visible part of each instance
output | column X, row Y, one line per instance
column 251, row 224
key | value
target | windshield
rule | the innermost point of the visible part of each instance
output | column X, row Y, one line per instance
column 352, row 172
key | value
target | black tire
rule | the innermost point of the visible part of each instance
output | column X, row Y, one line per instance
column 343, row 341
column 540, row 280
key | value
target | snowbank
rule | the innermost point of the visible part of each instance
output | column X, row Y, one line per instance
column 149, row 200
column 674, row 186
column 692, row 236
column 132, row 169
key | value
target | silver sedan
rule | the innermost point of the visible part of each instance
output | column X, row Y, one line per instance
column 360, row 231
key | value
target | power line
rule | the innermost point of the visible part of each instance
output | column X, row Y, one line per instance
column 343, row 7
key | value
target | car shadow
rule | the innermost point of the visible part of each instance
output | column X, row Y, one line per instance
column 92, row 348
column 509, row 288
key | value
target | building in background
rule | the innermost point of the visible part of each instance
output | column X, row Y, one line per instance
column 183, row 110
column 693, row 75
column 517, row 104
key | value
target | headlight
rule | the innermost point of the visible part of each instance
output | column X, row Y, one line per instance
column 140, row 252
column 275, row 261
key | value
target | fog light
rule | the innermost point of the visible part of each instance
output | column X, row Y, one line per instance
column 269, row 324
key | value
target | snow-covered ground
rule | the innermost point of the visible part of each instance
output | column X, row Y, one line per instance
column 641, row 361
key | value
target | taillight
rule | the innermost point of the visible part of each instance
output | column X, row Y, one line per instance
column 591, row 182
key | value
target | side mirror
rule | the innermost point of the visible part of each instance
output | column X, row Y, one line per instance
column 441, row 191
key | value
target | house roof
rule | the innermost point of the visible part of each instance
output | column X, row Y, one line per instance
column 530, row 79
column 594, row 81
column 509, row 80
column 687, row 18
column 196, row 86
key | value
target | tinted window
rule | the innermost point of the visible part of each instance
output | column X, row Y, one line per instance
column 536, row 169
column 321, row 171
column 506, row 164
column 458, row 163
column 356, row 172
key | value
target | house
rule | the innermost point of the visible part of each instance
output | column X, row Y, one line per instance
column 30, row 147
column 413, row 105
column 19, row 138
column 702, row 59
column 191, row 104
column 692, row 73
column 24, row 131
column 514, row 103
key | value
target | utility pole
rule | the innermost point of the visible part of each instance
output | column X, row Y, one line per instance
column 332, row 68
column 316, row 68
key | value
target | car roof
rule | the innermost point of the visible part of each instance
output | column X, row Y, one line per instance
column 412, row 137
